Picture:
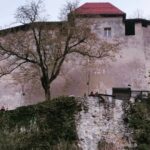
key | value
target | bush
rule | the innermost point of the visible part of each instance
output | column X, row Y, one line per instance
column 139, row 120
column 40, row 126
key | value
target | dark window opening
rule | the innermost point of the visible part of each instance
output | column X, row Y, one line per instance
column 144, row 24
column 122, row 93
column 129, row 28
column 107, row 32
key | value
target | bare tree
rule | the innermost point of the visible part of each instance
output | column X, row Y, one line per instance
column 44, row 46
column 137, row 14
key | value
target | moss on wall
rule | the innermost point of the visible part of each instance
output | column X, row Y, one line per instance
column 47, row 125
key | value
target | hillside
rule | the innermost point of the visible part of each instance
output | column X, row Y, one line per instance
column 69, row 123
column 48, row 125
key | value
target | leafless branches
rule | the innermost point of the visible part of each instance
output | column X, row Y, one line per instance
column 45, row 46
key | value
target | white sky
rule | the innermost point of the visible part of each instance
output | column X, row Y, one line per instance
column 130, row 7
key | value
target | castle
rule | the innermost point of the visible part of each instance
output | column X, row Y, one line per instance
column 129, row 68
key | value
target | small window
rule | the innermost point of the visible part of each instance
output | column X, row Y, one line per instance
column 129, row 28
column 107, row 32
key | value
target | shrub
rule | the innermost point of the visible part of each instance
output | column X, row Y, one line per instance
column 42, row 126
column 139, row 120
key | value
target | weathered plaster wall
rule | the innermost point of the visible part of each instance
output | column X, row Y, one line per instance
column 129, row 67
column 115, row 23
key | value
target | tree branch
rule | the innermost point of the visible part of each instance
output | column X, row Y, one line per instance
column 12, row 69
column 12, row 53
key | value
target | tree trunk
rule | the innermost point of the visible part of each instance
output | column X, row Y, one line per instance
column 47, row 93
column 46, row 87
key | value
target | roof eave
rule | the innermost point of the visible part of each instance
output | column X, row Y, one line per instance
column 100, row 15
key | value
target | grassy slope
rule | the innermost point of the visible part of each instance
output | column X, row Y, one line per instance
column 47, row 125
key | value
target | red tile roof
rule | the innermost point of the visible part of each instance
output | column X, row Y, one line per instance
column 98, row 9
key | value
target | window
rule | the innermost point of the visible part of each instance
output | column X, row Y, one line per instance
column 129, row 28
column 107, row 32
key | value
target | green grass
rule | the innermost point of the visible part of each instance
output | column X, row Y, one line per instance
column 44, row 126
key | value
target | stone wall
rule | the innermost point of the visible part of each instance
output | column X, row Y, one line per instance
column 102, row 121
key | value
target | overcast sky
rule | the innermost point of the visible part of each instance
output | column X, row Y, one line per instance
column 52, row 7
